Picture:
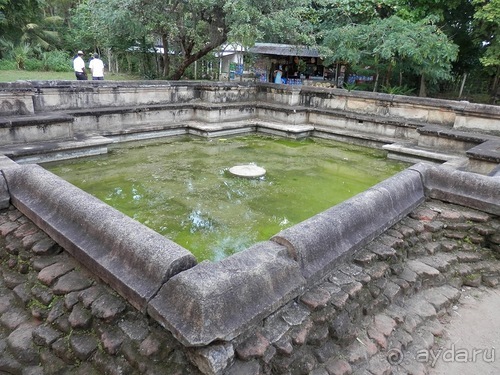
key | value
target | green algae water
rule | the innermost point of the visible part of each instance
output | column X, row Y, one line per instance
column 181, row 187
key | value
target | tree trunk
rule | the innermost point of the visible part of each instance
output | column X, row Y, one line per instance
column 110, row 59
column 375, row 85
column 166, row 57
column 191, row 58
column 462, row 86
column 423, row 89
column 388, row 75
column 494, row 87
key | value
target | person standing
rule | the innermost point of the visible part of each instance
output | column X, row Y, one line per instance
column 97, row 68
column 79, row 67
column 277, row 75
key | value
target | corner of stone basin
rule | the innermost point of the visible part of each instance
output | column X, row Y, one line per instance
column 323, row 240
column 464, row 188
column 133, row 259
column 219, row 301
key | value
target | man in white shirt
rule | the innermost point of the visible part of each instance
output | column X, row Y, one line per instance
column 79, row 67
column 97, row 68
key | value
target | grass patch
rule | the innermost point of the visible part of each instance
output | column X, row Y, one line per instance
column 24, row 75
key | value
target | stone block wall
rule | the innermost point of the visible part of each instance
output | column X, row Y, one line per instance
column 374, row 312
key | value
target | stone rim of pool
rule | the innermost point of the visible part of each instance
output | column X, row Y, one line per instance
column 247, row 171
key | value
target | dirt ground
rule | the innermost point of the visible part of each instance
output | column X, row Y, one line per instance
column 471, row 343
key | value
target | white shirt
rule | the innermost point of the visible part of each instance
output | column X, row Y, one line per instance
column 78, row 64
column 96, row 67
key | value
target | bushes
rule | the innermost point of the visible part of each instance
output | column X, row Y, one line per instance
column 7, row 64
column 32, row 64
column 57, row 61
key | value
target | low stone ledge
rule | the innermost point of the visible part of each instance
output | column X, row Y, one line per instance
column 295, row 131
column 322, row 241
column 41, row 148
column 15, row 100
column 488, row 151
column 4, row 193
column 133, row 259
column 34, row 120
column 6, row 162
column 463, row 188
column 464, row 136
column 219, row 301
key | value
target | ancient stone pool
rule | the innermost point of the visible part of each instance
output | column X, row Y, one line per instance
column 181, row 187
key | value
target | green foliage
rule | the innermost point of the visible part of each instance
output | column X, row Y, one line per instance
column 7, row 64
column 22, row 57
column 193, row 29
column 350, row 86
column 20, row 53
column 33, row 64
column 397, row 90
column 488, row 17
column 420, row 46
column 57, row 61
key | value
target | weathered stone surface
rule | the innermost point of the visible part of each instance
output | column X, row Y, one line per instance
column 436, row 299
column 295, row 315
column 83, row 345
column 45, row 246
column 383, row 251
column 384, row 324
column 45, row 335
column 7, row 228
column 14, row 317
column 339, row 367
column 107, row 307
column 422, row 308
column 112, row 340
column 50, row 273
column 284, row 346
column 253, row 347
column 421, row 269
column 71, row 282
column 249, row 368
column 28, row 241
column 21, row 344
column 56, row 311
column 42, row 294
column 316, row 299
column 4, row 194
column 136, row 331
column 212, row 360
column 80, row 317
column 237, row 283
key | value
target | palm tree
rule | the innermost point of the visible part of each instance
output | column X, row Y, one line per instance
column 38, row 35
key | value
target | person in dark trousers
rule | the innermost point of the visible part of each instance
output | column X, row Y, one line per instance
column 79, row 67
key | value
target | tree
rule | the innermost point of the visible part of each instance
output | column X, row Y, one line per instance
column 189, row 30
column 106, row 27
column 421, row 47
column 17, row 14
column 488, row 21
column 24, row 32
